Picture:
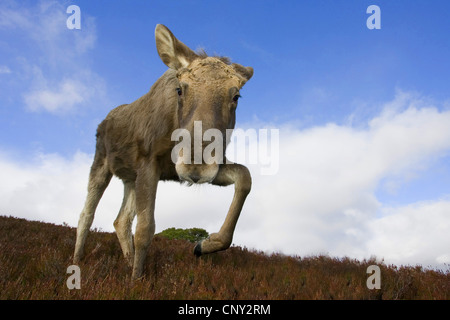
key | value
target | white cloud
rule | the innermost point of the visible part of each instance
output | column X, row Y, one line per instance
column 52, row 189
column 322, row 200
column 45, row 24
column 69, row 93
column 12, row 17
column 5, row 70
column 56, row 73
column 415, row 232
column 63, row 97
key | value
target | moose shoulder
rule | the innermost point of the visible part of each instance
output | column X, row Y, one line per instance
column 134, row 143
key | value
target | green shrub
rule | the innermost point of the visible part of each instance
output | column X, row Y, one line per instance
column 192, row 234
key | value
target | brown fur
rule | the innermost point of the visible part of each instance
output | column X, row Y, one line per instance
column 134, row 143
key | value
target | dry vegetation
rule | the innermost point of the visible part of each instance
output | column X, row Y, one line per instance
column 34, row 257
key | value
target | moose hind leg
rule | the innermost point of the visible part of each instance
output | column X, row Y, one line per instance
column 124, row 221
column 228, row 174
column 99, row 178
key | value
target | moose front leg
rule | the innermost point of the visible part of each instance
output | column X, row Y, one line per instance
column 228, row 174
column 146, row 185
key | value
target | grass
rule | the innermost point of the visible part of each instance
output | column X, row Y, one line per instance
column 34, row 257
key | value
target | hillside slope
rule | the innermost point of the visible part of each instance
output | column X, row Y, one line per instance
column 34, row 257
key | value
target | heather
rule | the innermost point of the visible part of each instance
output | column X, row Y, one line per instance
column 34, row 257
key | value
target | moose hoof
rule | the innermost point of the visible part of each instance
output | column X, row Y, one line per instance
column 198, row 249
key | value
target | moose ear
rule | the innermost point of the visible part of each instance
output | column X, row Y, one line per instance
column 174, row 53
column 245, row 72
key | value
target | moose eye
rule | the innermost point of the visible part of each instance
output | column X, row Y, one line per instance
column 236, row 98
column 179, row 91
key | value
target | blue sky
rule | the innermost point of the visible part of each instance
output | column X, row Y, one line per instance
column 321, row 76
column 319, row 56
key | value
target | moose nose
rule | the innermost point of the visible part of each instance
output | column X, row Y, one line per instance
column 194, row 178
